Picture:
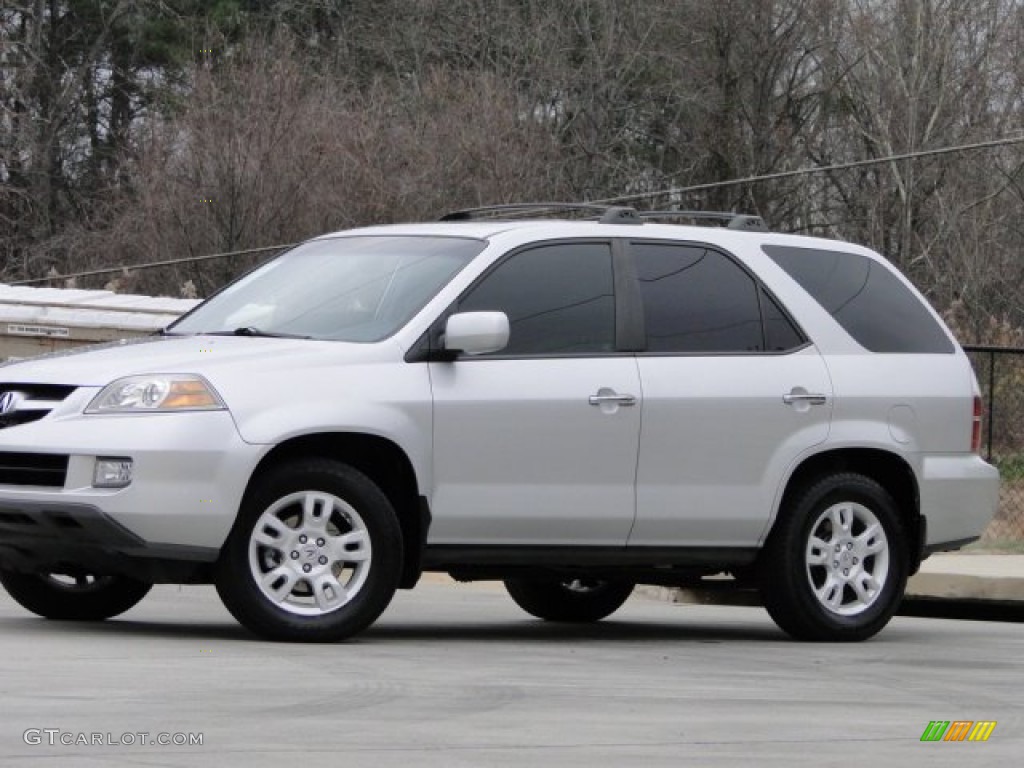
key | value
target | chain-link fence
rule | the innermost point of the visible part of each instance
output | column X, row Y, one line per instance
column 1000, row 372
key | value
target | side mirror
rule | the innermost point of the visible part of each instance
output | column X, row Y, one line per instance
column 476, row 333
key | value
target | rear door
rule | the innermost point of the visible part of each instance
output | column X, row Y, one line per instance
column 733, row 395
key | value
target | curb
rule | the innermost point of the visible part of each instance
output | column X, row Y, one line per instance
column 986, row 587
column 962, row 587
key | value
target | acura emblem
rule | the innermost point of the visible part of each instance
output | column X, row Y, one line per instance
column 9, row 402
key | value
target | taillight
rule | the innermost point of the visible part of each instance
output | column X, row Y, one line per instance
column 976, row 426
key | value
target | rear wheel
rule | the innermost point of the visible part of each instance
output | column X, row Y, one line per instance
column 835, row 566
column 74, row 597
column 569, row 600
column 315, row 554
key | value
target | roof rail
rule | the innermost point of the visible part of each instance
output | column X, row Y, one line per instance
column 467, row 214
column 744, row 221
column 606, row 214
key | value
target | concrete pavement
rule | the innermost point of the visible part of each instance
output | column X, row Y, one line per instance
column 456, row 676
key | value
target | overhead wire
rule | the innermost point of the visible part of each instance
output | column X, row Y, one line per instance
column 151, row 264
column 674, row 191
column 669, row 192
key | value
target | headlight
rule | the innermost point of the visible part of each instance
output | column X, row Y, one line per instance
column 157, row 393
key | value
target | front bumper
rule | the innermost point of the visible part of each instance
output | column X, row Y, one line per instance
column 75, row 538
column 190, row 472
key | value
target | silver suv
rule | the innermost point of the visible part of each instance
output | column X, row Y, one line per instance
column 570, row 406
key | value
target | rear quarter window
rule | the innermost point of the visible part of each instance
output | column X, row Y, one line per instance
column 865, row 298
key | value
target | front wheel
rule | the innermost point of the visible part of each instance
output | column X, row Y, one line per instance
column 74, row 597
column 835, row 566
column 569, row 600
column 314, row 556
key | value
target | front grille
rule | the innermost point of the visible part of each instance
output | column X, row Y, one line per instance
column 20, row 417
column 45, row 469
column 39, row 391
column 23, row 403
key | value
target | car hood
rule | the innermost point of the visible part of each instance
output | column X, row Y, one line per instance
column 204, row 355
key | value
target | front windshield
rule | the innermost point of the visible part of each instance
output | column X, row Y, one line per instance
column 345, row 288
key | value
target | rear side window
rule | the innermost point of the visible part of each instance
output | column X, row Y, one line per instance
column 698, row 300
column 865, row 298
column 779, row 333
column 559, row 299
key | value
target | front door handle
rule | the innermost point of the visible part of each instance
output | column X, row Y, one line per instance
column 806, row 397
column 608, row 397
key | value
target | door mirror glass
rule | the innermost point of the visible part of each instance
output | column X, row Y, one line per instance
column 476, row 333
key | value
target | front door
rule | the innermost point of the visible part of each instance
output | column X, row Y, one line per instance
column 536, row 445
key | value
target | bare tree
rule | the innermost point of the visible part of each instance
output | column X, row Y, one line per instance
column 372, row 111
column 266, row 151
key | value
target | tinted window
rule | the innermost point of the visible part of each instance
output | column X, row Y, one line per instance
column 865, row 298
column 779, row 332
column 558, row 298
column 696, row 300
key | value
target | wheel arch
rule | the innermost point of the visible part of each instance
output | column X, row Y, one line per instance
column 888, row 469
column 383, row 462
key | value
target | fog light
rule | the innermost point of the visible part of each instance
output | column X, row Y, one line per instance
column 112, row 473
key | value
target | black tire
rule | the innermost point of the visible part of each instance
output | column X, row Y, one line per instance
column 821, row 593
column 574, row 601
column 74, row 598
column 353, row 567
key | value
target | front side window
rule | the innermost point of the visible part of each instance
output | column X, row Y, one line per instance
column 865, row 298
column 697, row 300
column 559, row 299
column 344, row 289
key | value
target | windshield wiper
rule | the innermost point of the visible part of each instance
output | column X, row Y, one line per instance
column 249, row 330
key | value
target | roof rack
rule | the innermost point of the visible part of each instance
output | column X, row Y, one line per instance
column 607, row 214
column 744, row 221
